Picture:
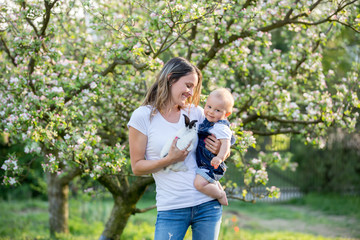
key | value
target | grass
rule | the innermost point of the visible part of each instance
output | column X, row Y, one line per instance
column 332, row 204
column 28, row 219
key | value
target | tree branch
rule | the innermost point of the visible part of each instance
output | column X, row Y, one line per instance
column 110, row 184
column 137, row 210
column 250, row 118
column 281, row 131
column 164, row 42
column 118, row 61
column 328, row 19
column 8, row 52
column 275, row 119
column 247, row 3
column 254, row 117
column 141, row 182
column 46, row 17
column 150, row 45
column 191, row 38
column 346, row 25
column 241, row 199
column 23, row 4
column 70, row 176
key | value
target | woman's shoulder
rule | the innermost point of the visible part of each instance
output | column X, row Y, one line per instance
column 142, row 111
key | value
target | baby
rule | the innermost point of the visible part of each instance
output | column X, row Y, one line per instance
column 211, row 167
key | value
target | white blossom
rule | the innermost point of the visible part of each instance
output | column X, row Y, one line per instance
column 12, row 180
column 26, row 150
column 4, row 167
column 93, row 85
column 57, row 89
column 80, row 141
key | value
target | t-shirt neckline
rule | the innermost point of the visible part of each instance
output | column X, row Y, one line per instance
column 172, row 123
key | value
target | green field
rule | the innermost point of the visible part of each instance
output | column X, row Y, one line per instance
column 314, row 217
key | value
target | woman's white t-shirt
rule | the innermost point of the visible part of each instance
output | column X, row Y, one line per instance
column 174, row 190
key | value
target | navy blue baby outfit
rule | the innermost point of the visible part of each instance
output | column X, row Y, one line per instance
column 204, row 156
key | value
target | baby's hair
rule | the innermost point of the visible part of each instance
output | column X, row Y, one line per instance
column 226, row 96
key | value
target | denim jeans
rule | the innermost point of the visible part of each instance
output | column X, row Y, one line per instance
column 204, row 219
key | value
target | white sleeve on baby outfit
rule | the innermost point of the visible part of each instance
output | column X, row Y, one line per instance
column 221, row 131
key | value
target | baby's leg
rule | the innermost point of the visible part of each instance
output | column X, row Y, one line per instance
column 213, row 190
column 224, row 200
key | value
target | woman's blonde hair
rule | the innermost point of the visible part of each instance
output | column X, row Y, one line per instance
column 159, row 95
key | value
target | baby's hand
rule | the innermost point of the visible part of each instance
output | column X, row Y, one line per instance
column 215, row 162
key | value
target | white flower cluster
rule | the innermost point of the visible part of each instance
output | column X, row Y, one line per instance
column 10, row 166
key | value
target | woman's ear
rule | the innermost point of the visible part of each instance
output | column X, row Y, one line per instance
column 168, row 79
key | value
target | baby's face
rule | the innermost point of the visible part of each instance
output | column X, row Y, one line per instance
column 215, row 109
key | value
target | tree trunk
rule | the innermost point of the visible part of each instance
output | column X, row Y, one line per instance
column 58, row 194
column 125, row 198
column 58, row 198
column 117, row 221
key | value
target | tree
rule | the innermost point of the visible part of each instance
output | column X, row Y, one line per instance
column 75, row 70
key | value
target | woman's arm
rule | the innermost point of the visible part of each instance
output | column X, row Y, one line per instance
column 141, row 166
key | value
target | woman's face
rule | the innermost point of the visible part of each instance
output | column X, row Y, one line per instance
column 183, row 89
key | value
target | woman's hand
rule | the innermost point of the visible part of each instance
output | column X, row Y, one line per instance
column 175, row 154
column 212, row 144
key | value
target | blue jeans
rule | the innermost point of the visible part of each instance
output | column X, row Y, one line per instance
column 204, row 219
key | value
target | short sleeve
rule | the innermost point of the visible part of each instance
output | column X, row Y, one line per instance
column 222, row 131
column 140, row 119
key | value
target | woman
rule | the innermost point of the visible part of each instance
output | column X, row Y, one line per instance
column 175, row 92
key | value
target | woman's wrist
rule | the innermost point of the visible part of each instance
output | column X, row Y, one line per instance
column 168, row 160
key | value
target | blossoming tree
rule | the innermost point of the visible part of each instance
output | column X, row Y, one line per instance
column 74, row 71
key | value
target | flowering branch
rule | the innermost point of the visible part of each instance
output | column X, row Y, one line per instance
column 8, row 51
column 281, row 131
column 119, row 61
column 254, row 117
column 327, row 19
